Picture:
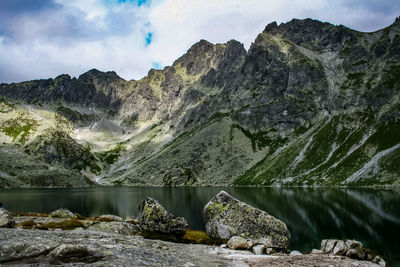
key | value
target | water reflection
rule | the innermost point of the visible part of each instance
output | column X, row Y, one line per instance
column 369, row 215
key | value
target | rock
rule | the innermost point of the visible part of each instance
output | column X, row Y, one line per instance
column 223, row 246
column 6, row 220
column 62, row 213
column 122, row 228
column 154, row 218
column 329, row 244
column 74, row 253
column 109, row 218
column 316, row 251
column 323, row 244
column 355, row 249
column 258, row 249
column 269, row 251
column 355, row 254
column 295, row 253
column 226, row 216
column 379, row 260
column 238, row 242
column 340, row 248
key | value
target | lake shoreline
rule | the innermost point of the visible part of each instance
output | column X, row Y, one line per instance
column 82, row 247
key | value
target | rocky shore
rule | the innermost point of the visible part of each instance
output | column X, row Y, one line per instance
column 236, row 235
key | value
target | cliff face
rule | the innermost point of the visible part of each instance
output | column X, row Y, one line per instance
column 309, row 103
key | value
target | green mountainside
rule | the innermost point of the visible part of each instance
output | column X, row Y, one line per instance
column 309, row 104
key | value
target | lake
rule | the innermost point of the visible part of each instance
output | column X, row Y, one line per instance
column 371, row 216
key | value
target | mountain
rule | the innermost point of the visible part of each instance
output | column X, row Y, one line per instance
column 309, row 104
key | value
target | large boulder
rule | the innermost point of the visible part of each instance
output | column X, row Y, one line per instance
column 225, row 216
column 6, row 220
column 154, row 218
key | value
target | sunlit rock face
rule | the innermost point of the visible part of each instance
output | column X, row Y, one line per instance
column 309, row 103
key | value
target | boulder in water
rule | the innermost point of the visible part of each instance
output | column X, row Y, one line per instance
column 225, row 216
column 153, row 217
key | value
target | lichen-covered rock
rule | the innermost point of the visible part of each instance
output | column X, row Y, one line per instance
column 154, row 218
column 109, row 218
column 61, row 213
column 226, row 216
column 122, row 228
column 237, row 242
column 6, row 220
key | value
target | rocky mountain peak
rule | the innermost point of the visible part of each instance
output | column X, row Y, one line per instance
column 95, row 73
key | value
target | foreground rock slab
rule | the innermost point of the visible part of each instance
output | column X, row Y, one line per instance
column 225, row 216
column 78, row 248
column 153, row 217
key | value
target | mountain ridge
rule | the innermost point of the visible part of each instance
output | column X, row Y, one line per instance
column 309, row 103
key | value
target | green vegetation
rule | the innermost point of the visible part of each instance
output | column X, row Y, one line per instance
column 20, row 127
column 109, row 157
column 5, row 106
column 260, row 140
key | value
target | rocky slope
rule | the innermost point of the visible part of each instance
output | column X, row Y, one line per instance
column 309, row 103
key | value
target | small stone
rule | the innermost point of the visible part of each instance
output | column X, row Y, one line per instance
column 369, row 257
column 223, row 246
column 237, row 242
column 353, row 244
column 61, row 213
column 340, row 248
column 355, row 253
column 269, row 251
column 295, row 253
column 316, row 251
column 330, row 244
column 323, row 244
column 379, row 260
column 258, row 249
column 164, row 248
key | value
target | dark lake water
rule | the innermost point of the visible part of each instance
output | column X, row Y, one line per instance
column 371, row 216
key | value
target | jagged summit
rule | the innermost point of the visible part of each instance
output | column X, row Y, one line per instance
column 309, row 103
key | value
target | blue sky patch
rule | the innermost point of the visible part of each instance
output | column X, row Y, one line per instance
column 156, row 65
column 138, row 2
column 148, row 38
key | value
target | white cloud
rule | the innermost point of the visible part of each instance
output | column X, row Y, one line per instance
column 87, row 34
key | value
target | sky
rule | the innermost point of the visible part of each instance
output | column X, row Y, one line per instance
column 45, row 38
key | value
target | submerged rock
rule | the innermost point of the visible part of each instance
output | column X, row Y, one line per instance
column 6, row 220
column 62, row 213
column 226, row 216
column 154, row 218
column 122, row 228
